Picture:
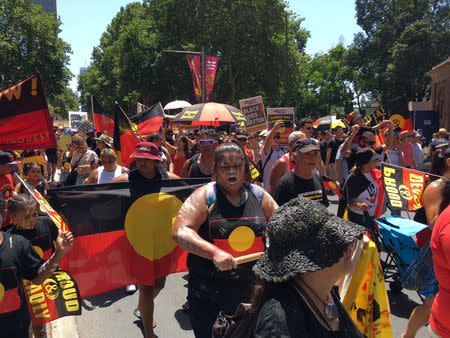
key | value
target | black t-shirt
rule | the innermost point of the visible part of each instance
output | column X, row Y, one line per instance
column 18, row 260
column 351, row 159
column 334, row 144
column 286, row 314
column 41, row 237
column 323, row 150
column 290, row 186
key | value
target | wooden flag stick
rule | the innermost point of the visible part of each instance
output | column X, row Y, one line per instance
column 136, row 132
column 249, row 258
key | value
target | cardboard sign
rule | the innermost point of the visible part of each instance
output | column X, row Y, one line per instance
column 76, row 118
column 64, row 141
column 253, row 109
column 86, row 127
column 37, row 159
column 285, row 114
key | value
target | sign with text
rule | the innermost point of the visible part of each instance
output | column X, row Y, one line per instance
column 285, row 114
column 76, row 118
column 86, row 127
column 253, row 109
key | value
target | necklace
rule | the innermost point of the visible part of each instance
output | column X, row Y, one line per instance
column 331, row 311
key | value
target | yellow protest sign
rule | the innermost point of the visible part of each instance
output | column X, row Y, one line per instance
column 366, row 299
column 38, row 159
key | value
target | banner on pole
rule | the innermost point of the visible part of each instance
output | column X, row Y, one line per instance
column 211, row 64
column 287, row 116
column 404, row 187
column 253, row 109
column 194, row 62
column 25, row 121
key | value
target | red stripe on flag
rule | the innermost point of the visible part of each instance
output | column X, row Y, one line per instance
column 103, row 122
column 10, row 301
column 224, row 244
column 107, row 261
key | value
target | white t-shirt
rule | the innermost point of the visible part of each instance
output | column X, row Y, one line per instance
column 88, row 157
column 107, row 176
column 368, row 196
column 274, row 156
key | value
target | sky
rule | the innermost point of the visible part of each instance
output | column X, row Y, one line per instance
column 84, row 21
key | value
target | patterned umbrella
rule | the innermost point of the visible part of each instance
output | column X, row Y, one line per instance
column 210, row 114
column 328, row 122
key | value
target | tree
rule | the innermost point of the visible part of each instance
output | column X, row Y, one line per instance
column 62, row 103
column 248, row 36
column 401, row 41
column 28, row 43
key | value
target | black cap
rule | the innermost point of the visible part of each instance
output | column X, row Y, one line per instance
column 7, row 158
column 366, row 155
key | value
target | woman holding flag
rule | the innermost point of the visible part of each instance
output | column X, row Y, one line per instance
column 217, row 224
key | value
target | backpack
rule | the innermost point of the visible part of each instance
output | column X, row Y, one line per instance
column 240, row 325
column 211, row 190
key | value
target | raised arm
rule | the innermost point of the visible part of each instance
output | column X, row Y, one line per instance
column 345, row 151
column 269, row 138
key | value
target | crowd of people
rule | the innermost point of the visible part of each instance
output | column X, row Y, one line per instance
column 260, row 192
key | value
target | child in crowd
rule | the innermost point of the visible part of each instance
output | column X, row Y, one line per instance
column 39, row 230
column 34, row 173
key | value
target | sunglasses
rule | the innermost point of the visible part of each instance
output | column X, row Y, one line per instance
column 207, row 142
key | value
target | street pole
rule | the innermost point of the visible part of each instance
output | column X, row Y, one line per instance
column 202, row 54
column 286, row 70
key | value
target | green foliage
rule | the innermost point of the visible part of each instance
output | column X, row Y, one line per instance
column 402, row 40
column 62, row 103
column 28, row 43
column 249, row 36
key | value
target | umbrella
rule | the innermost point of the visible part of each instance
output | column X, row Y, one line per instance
column 177, row 105
column 210, row 114
column 329, row 122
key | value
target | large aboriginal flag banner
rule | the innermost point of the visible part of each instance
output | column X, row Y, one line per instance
column 403, row 186
column 25, row 122
column 102, row 119
column 119, row 241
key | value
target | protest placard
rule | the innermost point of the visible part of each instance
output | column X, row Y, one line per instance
column 253, row 109
column 86, row 127
column 285, row 114
column 76, row 118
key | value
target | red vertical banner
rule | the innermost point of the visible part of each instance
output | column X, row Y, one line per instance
column 211, row 63
column 196, row 71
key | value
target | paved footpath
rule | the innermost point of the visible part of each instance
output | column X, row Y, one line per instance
column 110, row 315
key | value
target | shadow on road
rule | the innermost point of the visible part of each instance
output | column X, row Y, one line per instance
column 401, row 304
column 183, row 319
column 103, row 300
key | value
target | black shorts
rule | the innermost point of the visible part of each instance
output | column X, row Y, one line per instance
column 51, row 155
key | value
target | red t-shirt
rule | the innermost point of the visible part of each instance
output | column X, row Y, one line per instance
column 440, row 245
column 289, row 164
column 7, row 190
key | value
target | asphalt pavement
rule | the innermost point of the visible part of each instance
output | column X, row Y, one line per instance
column 110, row 315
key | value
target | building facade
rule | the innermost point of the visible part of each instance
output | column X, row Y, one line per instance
column 440, row 92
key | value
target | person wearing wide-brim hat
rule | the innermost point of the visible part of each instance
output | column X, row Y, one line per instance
column 103, row 142
column 310, row 250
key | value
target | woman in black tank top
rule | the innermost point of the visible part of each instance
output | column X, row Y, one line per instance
column 216, row 224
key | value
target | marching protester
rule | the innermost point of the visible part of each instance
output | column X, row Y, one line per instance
column 434, row 200
column 361, row 188
column 253, row 145
column 202, row 165
column 296, row 294
column 149, row 168
column 34, row 177
column 323, row 144
column 219, row 222
column 108, row 170
column 394, row 154
column 39, row 230
column 302, row 180
column 64, row 160
column 341, row 167
column 306, row 126
column 102, row 142
column 271, row 152
column 83, row 160
column 415, row 140
column 440, row 240
column 406, row 148
column 157, row 139
column 182, row 154
column 286, row 162
column 52, row 159
column 20, row 260
column 332, row 149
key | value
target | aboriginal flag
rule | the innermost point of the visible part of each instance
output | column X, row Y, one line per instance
column 330, row 184
column 25, row 121
column 102, row 119
column 120, row 241
column 403, row 186
column 127, row 134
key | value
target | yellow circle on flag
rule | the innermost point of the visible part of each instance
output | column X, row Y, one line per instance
column 241, row 239
column 39, row 251
column 148, row 224
column 399, row 121
column 2, row 292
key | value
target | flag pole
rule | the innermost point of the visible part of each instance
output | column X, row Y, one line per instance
column 92, row 112
column 136, row 132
